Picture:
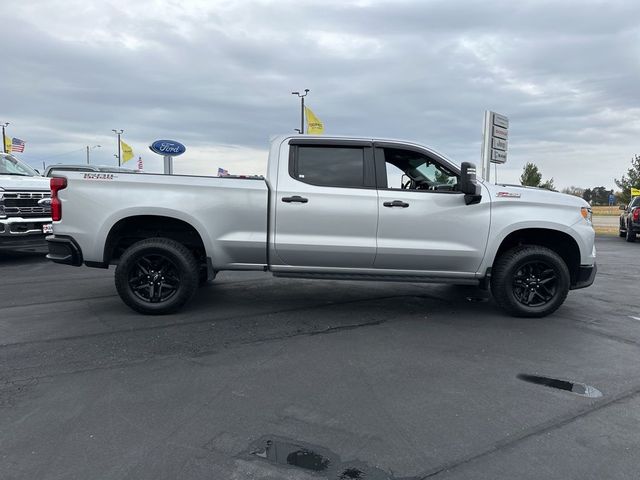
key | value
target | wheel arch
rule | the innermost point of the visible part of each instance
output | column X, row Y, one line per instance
column 560, row 242
column 128, row 230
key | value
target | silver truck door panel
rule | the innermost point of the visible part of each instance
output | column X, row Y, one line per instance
column 434, row 232
column 336, row 227
column 322, row 225
column 424, row 223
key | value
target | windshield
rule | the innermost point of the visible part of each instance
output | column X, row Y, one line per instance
column 10, row 165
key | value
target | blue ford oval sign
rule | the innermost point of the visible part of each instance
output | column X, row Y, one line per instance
column 169, row 148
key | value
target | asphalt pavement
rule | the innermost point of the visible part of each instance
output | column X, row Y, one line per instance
column 264, row 378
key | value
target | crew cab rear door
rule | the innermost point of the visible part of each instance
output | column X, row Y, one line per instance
column 424, row 223
column 326, row 211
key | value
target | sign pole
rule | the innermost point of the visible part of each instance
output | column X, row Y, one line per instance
column 486, row 145
column 168, row 165
column 4, row 141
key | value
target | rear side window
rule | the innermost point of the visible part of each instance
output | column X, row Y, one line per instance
column 330, row 166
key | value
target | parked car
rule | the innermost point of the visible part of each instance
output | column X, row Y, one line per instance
column 25, row 212
column 630, row 220
column 51, row 169
column 328, row 208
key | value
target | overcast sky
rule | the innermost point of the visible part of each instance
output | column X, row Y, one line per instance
column 218, row 76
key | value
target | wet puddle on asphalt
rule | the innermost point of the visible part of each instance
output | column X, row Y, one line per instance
column 313, row 458
column 290, row 453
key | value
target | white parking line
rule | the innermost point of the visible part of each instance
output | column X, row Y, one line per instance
column 635, row 318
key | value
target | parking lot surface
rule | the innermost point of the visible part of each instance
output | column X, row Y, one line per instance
column 350, row 380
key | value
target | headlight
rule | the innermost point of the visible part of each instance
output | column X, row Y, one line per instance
column 586, row 213
column 2, row 213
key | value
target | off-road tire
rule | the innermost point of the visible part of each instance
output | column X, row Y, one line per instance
column 630, row 235
column 512, row 262
column 183, row 266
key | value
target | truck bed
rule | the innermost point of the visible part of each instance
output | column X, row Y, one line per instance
column 230, row 214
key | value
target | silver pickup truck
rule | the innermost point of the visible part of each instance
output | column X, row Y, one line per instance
column 329, row 208
column 25, row 216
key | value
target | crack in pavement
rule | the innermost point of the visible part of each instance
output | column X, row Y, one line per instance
column 553, row 424
column 220, row 319
column 136, row 362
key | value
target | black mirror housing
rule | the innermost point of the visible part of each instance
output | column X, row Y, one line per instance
column 468, row 184
column 623, row 207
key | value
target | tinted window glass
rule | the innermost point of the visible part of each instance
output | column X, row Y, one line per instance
column 331, row 166
column 635, row 202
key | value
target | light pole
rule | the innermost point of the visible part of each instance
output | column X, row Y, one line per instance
column 4, row 143
column 118, row 133
column 306, row 92
column 91, row 148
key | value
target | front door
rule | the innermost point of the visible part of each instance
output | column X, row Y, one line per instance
column 424, row 223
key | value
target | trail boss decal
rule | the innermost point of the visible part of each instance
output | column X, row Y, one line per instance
column 99, row 176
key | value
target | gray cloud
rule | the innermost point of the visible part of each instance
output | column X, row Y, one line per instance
column 217, row 75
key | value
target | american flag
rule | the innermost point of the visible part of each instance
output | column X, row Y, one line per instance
column 222, row 172
column 17, row 145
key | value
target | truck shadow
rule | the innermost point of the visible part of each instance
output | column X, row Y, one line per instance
column 325, row 300
column 15, row 257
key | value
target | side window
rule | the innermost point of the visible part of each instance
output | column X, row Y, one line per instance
column 330, row 166
column 409, row 170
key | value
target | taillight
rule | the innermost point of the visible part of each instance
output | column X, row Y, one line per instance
column 636, row 215
column 57, row 184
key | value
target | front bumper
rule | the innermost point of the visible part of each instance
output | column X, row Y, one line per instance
column 585, row 276
column 19, row 227
column 64, row 250
column 18, row 233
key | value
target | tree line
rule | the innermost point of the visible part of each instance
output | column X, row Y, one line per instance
column 532, row 177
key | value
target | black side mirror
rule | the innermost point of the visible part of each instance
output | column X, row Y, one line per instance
column 623, row 207
column 468, row 184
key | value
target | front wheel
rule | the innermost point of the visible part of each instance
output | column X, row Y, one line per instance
column 530, row 281
column 156, row 276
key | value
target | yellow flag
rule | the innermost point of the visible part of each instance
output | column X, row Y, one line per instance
column 635, row 192
column 127, row 152
column 7, row 144
column 314, row 125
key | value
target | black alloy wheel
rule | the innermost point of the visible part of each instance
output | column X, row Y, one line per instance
column 535, row 284
column 156, row 276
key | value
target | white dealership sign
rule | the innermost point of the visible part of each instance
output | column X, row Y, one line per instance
column 495, row 141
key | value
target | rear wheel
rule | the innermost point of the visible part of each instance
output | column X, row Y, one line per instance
column 156, row 276
column 530, row 281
